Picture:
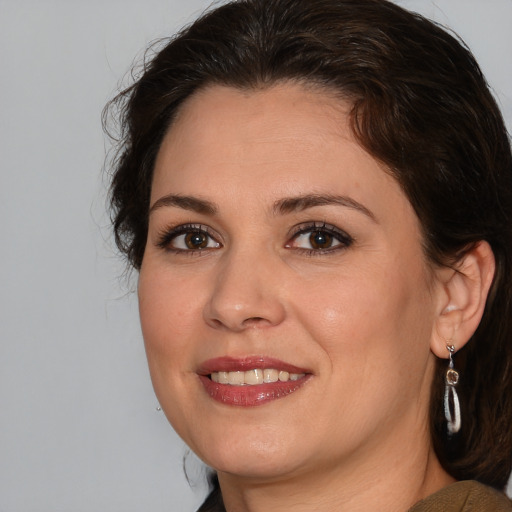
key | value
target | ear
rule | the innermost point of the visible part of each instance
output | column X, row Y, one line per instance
column 462, row 293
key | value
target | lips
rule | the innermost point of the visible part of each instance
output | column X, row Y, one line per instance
column 250, row 381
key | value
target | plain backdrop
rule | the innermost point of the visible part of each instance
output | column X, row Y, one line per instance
column 79, row 428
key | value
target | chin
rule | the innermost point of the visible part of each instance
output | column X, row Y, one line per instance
column 249, row 455
column 259, row 467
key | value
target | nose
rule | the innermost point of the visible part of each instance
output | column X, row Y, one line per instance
column 246, row 294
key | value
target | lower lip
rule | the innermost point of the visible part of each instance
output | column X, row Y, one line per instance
column 250, row 396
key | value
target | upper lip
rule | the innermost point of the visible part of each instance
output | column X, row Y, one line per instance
column 233, row 364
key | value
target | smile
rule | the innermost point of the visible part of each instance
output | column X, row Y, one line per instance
column 254, row 377
column 250, row 381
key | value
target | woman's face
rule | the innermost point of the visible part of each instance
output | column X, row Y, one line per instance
column 278, row 247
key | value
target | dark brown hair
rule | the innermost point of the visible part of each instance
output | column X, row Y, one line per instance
column 419, row 104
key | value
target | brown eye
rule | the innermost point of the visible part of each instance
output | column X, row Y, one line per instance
column 188, row 238
column 320, row 240
column 196, row 240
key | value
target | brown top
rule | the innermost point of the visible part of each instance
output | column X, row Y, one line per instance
column 466, row 496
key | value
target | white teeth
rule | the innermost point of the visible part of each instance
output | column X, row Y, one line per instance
column 236, row 378
column 284, row 376
column 270, row 375
column 254, row 377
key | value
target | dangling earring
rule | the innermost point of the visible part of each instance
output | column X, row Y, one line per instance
column 451, row 380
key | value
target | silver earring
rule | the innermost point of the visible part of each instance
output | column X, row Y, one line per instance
column 452, row 414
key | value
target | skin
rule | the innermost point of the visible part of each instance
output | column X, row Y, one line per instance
column 361, row 317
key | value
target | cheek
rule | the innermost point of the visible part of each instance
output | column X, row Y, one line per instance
column 169, row 315
column 165, row 304
column 169, row 319
column 379, row 317
column 374, row 333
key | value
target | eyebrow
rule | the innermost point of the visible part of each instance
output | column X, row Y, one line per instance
column 280, row 207
column 300, row 203
column 186, row 203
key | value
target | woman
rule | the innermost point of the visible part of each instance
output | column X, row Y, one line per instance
column 317, row 196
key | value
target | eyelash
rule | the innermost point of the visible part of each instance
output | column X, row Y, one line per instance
column 167, row 236
column 170, row 235
column 344, row 239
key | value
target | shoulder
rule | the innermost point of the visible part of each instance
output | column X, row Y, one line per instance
column 466, row 496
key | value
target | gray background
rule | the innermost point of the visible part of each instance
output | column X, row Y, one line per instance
column 79, row 429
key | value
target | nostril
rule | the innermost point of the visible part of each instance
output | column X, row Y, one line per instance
column 253, row 320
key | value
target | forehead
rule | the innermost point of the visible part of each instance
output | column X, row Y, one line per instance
column 277, row 114
column 288, row 130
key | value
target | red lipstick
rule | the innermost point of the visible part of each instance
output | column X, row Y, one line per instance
column 234, row 364
column 248, row 395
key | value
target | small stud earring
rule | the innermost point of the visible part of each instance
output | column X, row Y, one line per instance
column 452, row 414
